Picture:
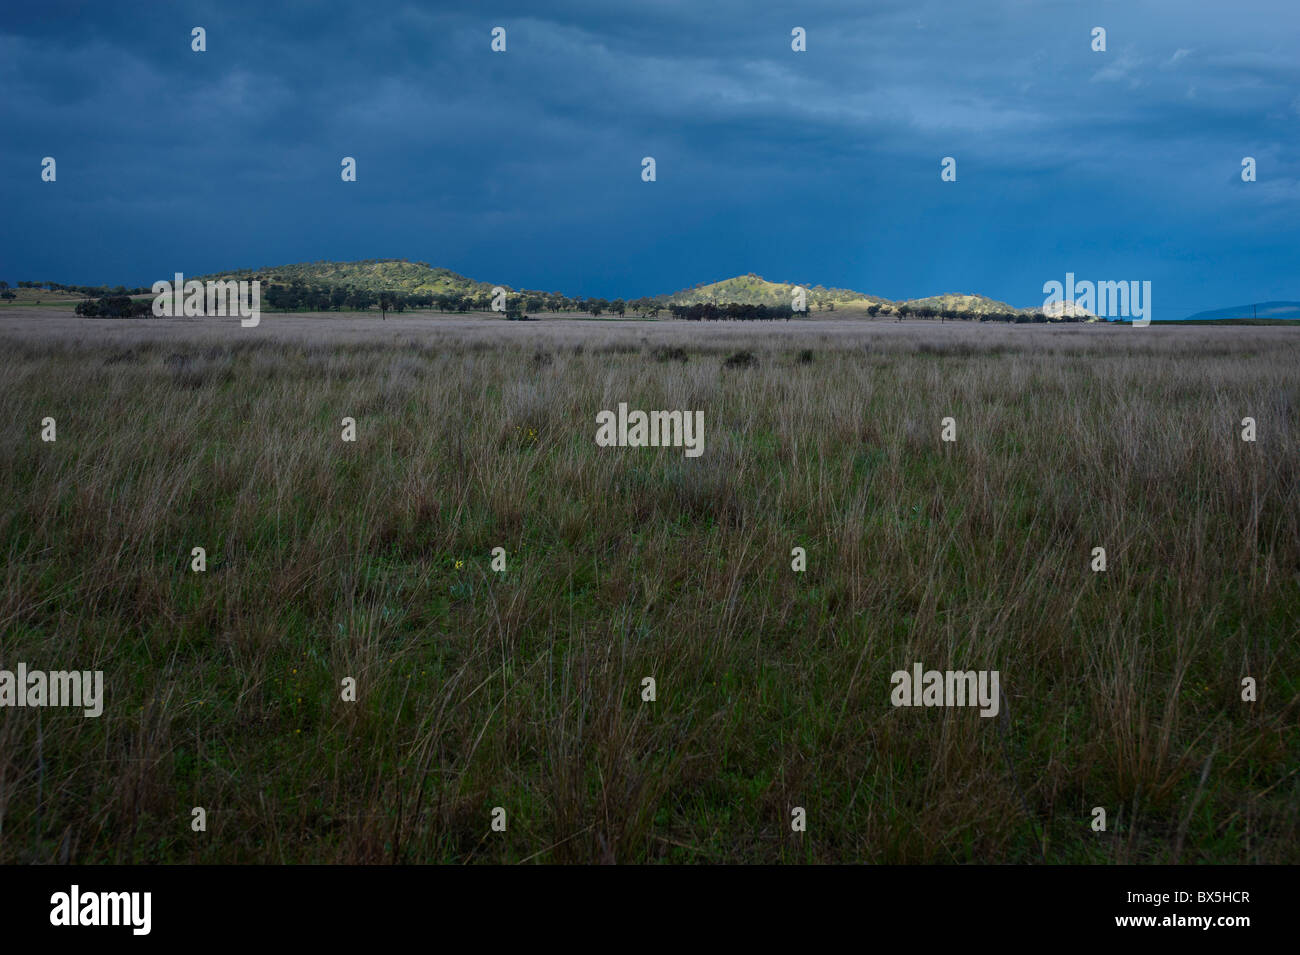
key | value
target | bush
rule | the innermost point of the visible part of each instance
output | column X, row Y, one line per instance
column 670, row 353
column 115, row 306
column 740, row 359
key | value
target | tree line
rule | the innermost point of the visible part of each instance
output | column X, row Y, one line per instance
column 951, row 314
column 731, row 312
column 90, row 291
column 299, row 296
column 115, row 306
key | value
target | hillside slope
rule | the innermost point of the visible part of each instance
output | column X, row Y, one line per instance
column 1288, row 311
column 396, row 275
column 753, row 289
column 968, row 304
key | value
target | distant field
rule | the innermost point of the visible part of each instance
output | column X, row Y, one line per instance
column 1284, row 322
column 843, row 326
column 40, row 298
column 522, row 690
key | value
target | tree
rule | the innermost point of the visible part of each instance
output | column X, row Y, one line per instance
column 385, row 303
column 277, row 297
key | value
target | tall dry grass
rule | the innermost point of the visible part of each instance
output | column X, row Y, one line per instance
column 522, row 690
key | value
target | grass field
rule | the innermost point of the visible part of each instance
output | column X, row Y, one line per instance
column 522, row 690
column 26, row 298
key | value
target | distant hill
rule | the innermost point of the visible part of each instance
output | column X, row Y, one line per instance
column 394, row 275
column 1059, row 309
column 755, row 290
column 972, row 304
column 429, row 286
column 1288, row 311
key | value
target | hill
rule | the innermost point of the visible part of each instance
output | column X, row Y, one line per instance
column 376, row 275
column 1059, row 309
column 753, row 289
column 970, row 304
column 1284, row 311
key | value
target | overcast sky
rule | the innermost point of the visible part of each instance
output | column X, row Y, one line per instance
column 524, row 167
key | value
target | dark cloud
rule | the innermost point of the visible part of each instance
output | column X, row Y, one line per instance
column 524, row 168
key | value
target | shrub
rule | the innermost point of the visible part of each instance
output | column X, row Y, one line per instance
column 670, row 353
column 740, row 359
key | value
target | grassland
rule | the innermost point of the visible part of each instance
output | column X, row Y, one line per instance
column 27, row 298
column 523, row 690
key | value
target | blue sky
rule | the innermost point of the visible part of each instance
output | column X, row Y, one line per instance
column 524, row 167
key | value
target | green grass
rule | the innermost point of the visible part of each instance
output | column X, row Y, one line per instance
column 523, row 690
